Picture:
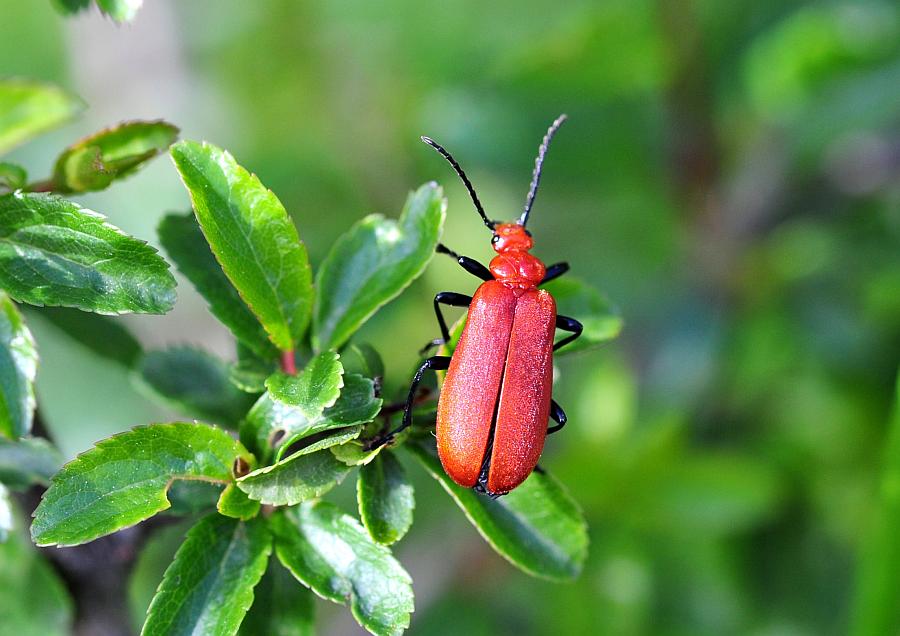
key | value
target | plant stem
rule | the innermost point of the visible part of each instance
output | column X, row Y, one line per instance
column 288, row 365
column 40, row 186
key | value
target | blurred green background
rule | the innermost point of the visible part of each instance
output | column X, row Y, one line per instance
column 729, row 176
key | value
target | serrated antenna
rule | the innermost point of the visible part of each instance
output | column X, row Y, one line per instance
column 538, row 165
column 462, row 175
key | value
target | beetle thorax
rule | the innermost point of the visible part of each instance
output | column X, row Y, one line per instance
column 514, row 266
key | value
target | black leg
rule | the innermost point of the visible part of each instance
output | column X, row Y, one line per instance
column 434, row 363
column 451, row 299
column 469, row 264
column 558, row 416
column 555, row 271
column 568, row 324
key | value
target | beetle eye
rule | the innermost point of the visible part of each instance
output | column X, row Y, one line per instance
column 495, row 238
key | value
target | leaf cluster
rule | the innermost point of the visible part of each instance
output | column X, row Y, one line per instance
column 70, row 262
column 276, row 430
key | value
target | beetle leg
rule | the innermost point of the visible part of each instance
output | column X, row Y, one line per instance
column 451, row 299
column 434, row 363
column 555, row 271
column 568, row 324
column 469, row 264
column 557, row 415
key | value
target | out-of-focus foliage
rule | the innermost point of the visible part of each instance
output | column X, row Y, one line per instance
column 30, row 108
column 118, row 10
column 728, row 175
column 24, row 573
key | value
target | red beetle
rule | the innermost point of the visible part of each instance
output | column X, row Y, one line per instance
column 495, row 402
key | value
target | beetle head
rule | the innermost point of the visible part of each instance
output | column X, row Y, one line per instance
column 511, row 237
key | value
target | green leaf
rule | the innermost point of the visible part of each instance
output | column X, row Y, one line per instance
column 155, row 555
column 319, row 441
column 94, row 162
column 12, row 176
column 362, row 358
column 196, row 383
column 28, row 108
column 357, row 404
column 249, row 374
column 293, row 404
column 54, row 252
column 191, row 497
column 102, row 335
column 355, row 453
column 281, row 607
column 372, row 263
column 33, row 601
column 235, row 503
column 252, row 237
column 18, row 367
column 579, row 300
column 385, row 498
column 878, row 572
column 183, row 240
column 120, row 10
column 123, row 480
column 71, row 6
column 334, row 556
column 308, row 473
column 6, row 513
column 208, row 588
column 537, row 527
column 27, row 461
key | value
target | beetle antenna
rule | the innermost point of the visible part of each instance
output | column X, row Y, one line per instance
column 538, row 165
column 462, row 175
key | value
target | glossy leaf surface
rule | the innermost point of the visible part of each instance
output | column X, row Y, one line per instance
column 18, row 368
column 386, row 499
column 333, row 555
column 372, row 263
column 252, row 237
column 292, row 405
column 185, row 244
column 208, row 588
column 234, row 503
column 124, row 479
column 54, row 252
column 305, row 474
column 537, row 527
